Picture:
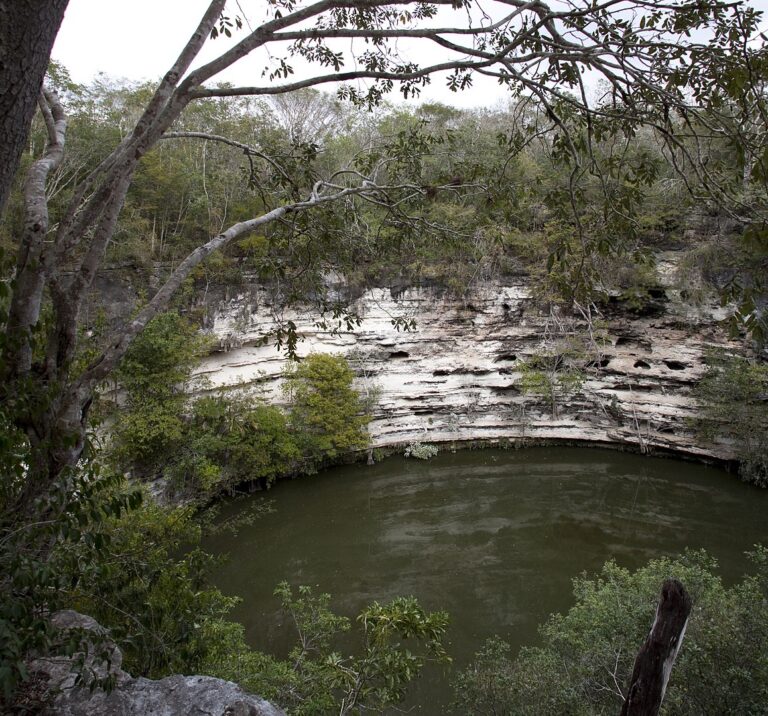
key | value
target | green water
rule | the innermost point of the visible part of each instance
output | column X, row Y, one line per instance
column 493, row 537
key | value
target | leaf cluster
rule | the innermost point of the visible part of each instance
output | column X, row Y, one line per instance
column 395, row 641
column 586, row 658
column 326, row 411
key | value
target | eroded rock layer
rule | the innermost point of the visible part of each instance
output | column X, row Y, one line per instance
column 458, row 376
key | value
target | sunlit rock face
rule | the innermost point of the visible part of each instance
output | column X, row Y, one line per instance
column 458, row 376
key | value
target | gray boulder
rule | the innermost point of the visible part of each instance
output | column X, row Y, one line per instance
column 187, row 695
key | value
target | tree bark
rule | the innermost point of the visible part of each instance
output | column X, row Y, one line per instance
column 28, row 29
column 654, row 661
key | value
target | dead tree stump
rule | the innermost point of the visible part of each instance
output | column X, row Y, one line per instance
column 654, row 661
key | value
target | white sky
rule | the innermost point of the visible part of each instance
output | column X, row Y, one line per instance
column 140, row 39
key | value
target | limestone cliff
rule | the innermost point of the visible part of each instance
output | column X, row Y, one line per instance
column 457, row 375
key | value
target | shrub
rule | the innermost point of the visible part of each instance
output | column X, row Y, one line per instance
column 244, row 439
column 396, row 640
column 153, row 602
column 421, row 451
column 587, row 654
column 215, row 442
column 154, row 374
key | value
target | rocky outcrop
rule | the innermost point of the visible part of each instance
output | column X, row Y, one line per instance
column 458, row 375
column 172, row 696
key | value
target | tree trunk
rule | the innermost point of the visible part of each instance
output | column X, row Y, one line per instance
column 654, row 661
column 28, row 29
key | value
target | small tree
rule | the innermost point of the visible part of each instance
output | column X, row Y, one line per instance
column 326, row 411
column 553, row 373
column 558, row 367
column 734, row 399
column 154, row 373
column 232, row 440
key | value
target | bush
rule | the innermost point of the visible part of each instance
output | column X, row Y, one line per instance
column 154, row 374
column 144, row 437
column 154, row 602
column 587, row 655
column 396, row 640
column 235, row 440
column 159, row 362
column 34, row 582
column 420, row 450
column 215, row 442
column 554, row 373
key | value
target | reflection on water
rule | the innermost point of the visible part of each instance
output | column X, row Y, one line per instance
column 493, row 537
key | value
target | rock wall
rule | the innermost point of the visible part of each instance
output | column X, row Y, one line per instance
column 457, row 375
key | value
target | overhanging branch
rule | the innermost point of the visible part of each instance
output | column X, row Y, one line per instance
column 103, row 365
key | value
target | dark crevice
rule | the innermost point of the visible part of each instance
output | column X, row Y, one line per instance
column 509, row 389
column 675, row 364
column 634, row 386
column 602, row 363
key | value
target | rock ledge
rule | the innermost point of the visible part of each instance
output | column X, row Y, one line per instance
column 172, row 696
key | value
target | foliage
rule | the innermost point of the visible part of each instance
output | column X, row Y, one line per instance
column 487, row 685
column 587, row 655
column 555, row 371
column 215, row 442
column 407, row 191
column 571, row 344
column 204, row 445
column 71, row 514
column 733, row 396
column 74, row 516
column 396, row 640
column 326, row 412
column 421, row 451
column 152, row 600
column 154, row 373
column 231, row 440
column 639, row 287
column 413, row 185
column 159, row 361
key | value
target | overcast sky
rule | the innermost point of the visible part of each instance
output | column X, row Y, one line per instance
column 141, row 38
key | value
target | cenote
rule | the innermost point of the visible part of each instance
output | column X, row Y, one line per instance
column 494, row 537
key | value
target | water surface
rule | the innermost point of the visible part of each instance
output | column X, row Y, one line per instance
column 494, row 537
